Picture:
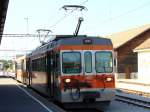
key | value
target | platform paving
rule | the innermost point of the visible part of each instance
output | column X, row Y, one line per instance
column 134, row 84
column 13, row 98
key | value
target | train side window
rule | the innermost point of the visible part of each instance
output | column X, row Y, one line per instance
column 18, row 65
column 24, row 65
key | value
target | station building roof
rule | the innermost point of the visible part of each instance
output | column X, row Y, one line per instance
column 123, row 37
column 3, row 12
column 144, row 46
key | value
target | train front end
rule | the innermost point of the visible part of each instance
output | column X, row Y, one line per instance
column 87, row 74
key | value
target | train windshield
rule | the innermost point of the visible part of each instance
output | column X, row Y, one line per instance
column 71, row 62
column 103, row 62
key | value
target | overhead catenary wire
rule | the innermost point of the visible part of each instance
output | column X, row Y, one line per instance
column 36, row 35
column 125, row 13
column 65, row 16
column 132, row 10
column 113, row 18
column 23, row 35
column 19, row 50
column 28, row 35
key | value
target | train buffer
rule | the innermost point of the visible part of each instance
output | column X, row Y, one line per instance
column 15, row 97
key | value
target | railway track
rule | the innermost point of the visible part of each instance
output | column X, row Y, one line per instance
column 140, row 102
column 77, row 109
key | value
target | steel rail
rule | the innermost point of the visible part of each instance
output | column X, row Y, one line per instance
column 133, row 101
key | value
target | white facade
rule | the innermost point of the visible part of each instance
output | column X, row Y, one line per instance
column 144, row 64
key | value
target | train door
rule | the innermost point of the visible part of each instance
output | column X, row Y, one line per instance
column 51, row 72
column 22, row 70
column 88, row 62
column 28, row 66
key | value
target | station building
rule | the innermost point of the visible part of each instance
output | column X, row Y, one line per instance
column 143, row 51
column 132, row 49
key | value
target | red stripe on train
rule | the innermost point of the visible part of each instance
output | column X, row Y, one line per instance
column 90, row 81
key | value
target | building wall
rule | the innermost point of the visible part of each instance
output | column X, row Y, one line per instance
column 127, row 60
column 144, row 65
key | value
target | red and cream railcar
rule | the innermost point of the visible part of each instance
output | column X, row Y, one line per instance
column 76, row 71
column 21, row 72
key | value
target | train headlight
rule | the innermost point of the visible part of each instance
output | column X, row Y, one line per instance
column 67, row 80
column 109, row 79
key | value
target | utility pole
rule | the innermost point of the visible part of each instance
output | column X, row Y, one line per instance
column 27, row 24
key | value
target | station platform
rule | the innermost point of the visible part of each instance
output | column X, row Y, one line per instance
column 134, row 84
column 15, row 97
column 7, row 74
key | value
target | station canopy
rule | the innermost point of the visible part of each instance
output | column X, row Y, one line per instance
column 3, row 12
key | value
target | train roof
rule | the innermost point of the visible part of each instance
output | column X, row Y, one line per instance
column 80, row 41
column 58, row 37
column 71, row 40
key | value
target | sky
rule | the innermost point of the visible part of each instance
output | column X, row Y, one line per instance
column 102, row 18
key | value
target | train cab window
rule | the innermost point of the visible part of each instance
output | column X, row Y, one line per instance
column 88, row 62
column 71, row 62
column 103, row 62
